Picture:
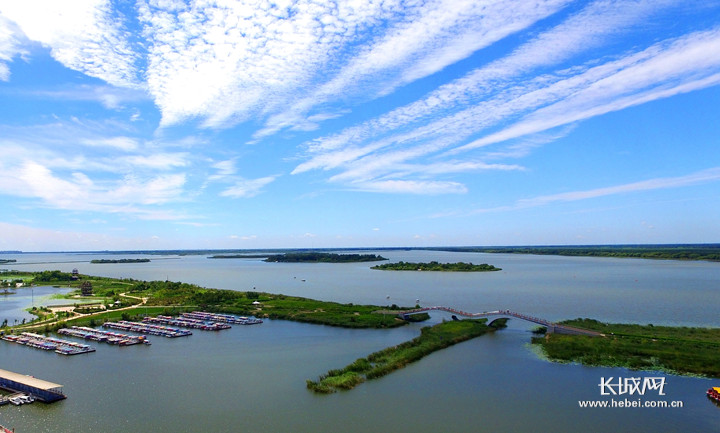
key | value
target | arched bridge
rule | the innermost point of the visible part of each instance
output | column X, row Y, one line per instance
column 492, row 315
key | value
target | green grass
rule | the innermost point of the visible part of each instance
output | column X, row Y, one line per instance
column 681, row 350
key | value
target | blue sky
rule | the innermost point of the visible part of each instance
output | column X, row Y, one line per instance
column 162, row 124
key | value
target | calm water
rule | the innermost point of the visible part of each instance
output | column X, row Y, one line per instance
column 252, row 378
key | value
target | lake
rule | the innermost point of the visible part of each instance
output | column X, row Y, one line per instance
column 252, row 378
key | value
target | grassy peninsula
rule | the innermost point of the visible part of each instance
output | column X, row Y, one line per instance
column 379, row 364
column 315, row 257
column 436, row 267
column 141, row 298
column 680, row 350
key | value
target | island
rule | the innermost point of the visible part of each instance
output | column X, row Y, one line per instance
column 436, row 267
column 5, row 261
column 315, row 257
column 104, row 261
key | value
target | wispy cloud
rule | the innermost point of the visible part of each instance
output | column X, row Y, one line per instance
column 246, row 188
column 10, row 46
column 580, row 32
column 663, row 70
column 411, row 187
column 700, row 177
column 548, row 101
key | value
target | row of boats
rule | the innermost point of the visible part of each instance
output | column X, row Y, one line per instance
column 187, row 322
column 219, row 317
column 101, row 336
column 63, row 347
column 147, row 328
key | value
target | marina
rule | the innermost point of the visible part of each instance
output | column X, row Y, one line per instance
column 148, row 328
column 187, row 322
column 109, row 337
column 219, row 317
column 58, row 345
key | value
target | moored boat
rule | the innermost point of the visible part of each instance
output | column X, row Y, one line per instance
column 714, row 393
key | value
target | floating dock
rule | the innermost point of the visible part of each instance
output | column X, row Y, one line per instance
column 38, row 341
column 39, row 389
column 104, row 336
column 219, row 317
column 147, row 328
column 187, row 323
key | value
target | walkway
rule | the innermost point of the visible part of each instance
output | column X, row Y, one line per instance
column 551, row 326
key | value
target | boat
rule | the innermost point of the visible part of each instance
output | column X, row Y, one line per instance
column 714, row 393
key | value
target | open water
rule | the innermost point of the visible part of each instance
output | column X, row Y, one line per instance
column 252, row 378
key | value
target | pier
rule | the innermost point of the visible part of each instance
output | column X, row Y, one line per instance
column 187, row 323
column 219, row 317
column 38, row 341
column 108, row 337
column 42, row 390
column 147, row 328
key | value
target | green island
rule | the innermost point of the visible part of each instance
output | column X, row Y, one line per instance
column 5, row 261
column 315, row 257
column 707, row 252
column 103, row 261
column 436, row 267
column 383, row 362
column 678, row 350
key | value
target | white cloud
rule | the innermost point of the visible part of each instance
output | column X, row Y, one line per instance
column 425, row 41
column 79, row 192
column 158, row 161
column 247, row 188
column 84, row 35
column 10, row 46
column 121, row 143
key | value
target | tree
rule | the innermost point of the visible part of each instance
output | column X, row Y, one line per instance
column 86, row 288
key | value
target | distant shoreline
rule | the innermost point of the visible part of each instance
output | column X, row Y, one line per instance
column 698, row 252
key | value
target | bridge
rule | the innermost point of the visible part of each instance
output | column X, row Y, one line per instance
column 497, row 314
